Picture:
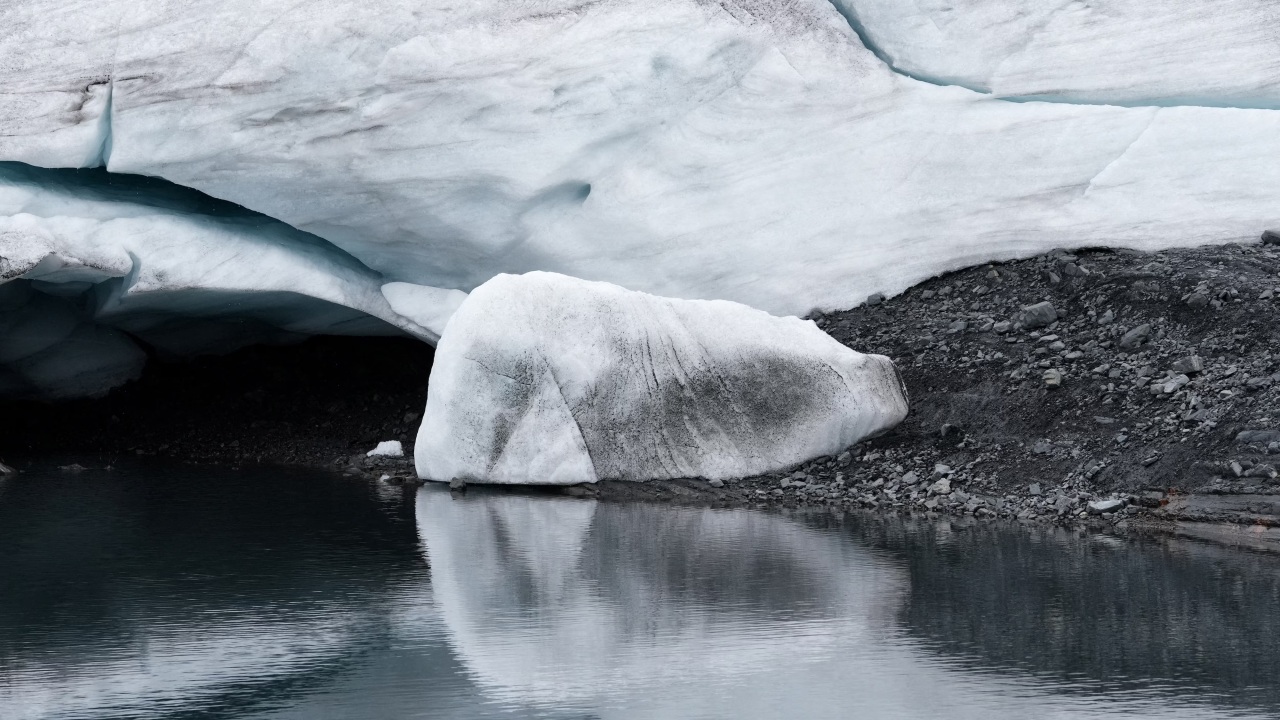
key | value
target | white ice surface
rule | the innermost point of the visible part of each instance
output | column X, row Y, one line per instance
column 69, row 233
column 387, row 448
column 429, row 307
column 748, row 150
column 546, row 379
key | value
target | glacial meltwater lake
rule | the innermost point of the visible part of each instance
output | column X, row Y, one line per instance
column 154, row 592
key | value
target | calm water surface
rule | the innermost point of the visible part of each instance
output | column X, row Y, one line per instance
column 172, row 593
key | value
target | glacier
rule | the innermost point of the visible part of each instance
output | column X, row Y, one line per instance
column 546, row 379
column 791, row 156
column 754, row 151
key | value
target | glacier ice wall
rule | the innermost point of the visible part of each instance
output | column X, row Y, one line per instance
column 751, row 150
column 789, row 155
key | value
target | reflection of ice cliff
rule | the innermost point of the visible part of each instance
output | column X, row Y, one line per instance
column 649, row 611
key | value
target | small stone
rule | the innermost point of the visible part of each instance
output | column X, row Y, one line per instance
column 1042, row 448
column 717, row 483
column 458, row 484
column 926, row 294
column 1271, row 237
column 1001, row 327
column 409, row 417
column 1174, row 384
column 1264, row 471
column 1152, row 498
column 958, row 326
column 875, row 299
column 1057, row 346
column 1102, row 507
column 942, row 487
column 1198, row 300
column 1052, row 378
column 1038, row 315
column 911, row 478
column 1236, row 468
column 844, row 459
column 1150, row 460
column 1258, row 437
column 1034, row 489
column 1135, row 337
column 1188, row 365
column 73, row 467
column 1107, row 318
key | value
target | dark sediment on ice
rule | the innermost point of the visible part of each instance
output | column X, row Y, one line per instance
column 1104, row 387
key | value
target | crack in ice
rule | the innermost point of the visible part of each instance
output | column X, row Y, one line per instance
column 864, row 36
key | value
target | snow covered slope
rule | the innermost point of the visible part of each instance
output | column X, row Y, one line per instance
column 752, row 150
column 546, row 379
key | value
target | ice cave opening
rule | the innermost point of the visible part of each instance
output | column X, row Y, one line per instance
column 133, row 309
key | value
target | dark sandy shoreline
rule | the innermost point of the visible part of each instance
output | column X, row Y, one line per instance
column 1153, row 382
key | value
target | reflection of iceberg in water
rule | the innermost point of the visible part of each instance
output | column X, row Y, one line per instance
column 656, row 611
column 572, row 602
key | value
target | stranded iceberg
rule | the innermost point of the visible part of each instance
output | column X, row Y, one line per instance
column 543, row 378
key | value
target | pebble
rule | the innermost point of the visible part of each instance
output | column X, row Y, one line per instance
column 1258, row 437
column 1188, row 365
column 1041, row 314
column 875, row 299
column 1102, row 507
column 1135, row 337
column 717, row 483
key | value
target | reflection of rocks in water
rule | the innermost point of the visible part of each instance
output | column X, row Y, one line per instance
column 556, row 600
column 1092, row 607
